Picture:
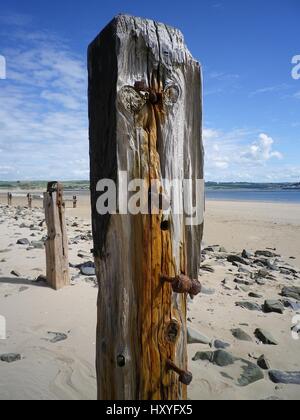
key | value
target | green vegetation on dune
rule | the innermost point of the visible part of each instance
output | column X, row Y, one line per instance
column 42, row 185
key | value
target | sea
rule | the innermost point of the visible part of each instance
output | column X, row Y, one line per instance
column 274, row 196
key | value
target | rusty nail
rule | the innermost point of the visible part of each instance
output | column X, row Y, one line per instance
column 185, row 377
column 183, row 284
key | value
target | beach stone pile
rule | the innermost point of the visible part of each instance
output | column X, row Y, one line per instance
column 249, row 271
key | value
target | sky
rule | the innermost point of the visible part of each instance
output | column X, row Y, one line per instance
column 251, row 101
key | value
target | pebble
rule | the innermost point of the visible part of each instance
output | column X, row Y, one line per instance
column 289, row 378
column 265, row 337
column 10, row 358
column 241, row 335
column 273, row 306
column 251, row 306
column 195, row 337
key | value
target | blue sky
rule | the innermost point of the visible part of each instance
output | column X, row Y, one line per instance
column 251, row 101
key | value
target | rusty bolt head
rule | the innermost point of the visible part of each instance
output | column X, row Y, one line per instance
column 141, row 86
column 153, row 98
column 196, row 288
column 186, row 378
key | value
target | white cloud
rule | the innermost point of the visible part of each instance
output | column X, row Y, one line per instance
column 269, row 89
column 43, row 112
column 234, row 156
column 222, row 76
column 261, row 150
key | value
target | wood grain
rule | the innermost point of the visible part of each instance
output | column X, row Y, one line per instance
column 57, row 261
column 141, row 322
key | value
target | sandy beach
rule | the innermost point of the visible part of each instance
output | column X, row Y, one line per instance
column 54, row 332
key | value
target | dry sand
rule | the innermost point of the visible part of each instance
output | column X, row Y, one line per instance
column 65, row 370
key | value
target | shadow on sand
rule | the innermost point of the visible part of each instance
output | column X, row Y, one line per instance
column 22, row 282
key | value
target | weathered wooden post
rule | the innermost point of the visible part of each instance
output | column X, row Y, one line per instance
column 57, row 262
column 145, row 115
column 29, row 197
column 74, row 202
column 9, row 199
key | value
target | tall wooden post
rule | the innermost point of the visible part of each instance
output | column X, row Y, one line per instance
column 57, row 262
column 145, row 115
column 29, row 197
column 74, row 202
column 9, row 199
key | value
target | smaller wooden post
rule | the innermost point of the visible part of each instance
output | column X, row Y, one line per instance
column 9, row 199
column 74, row 202
column 57, row 261
column 29, row 196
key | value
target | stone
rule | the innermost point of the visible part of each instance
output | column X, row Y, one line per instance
column 267, row 254
column 88, row 271
column 87, row 268
column 246, row 281
column 295, row 306
column 223, row 358
column 220, row 358
column 264, row 262
column 207, row 291
column 255, row 295
column 237, row 259
column 251, row 374
column 207, row 268
column 10, row 358
column 289, row 378
column 239, row 334
column 57, row 337
column 220, row 345
column 291, row 292
column 263, row 273
column 195, row 337
column 289, row 270
column 261, row 282
column 242, row 288
column 265, row 337
column 263, row 363
column 273, row 306
column 251, row 306
column 246, row 254
column 38, row 244
column 23, row 242
column 203, row 355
